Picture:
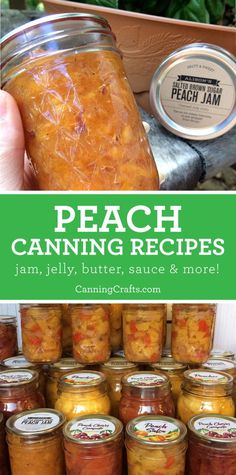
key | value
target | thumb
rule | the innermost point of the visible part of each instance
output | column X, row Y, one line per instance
column 11, row 145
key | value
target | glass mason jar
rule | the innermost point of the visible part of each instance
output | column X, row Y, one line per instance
column 35, row 442
column 82, row 126
column 156, row 445
column 205, row 392
column 145, row 393
column 192, row 332
column 54, row 373
column 222, row 354
column 19, row 362
column 116, row 326
column 226, row 365
column 143, row 332
column 90, row 333
column 174, row 371
column 3, row 450
column 93, row 445
column 81, row 393
column 114, row 370
column 8, row 337
column 41, row 332
column 19, row 391
column 212, row 445
column 67, row 346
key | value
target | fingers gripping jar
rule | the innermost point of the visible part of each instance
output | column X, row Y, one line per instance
column 41, row 333
column 82, row 126
column 207, row 392
column 93, row 445
column 19, row 392
column 212, row 445
column 35, row 442
column 156, row 445
column 192, row 332
column 143, row 332
column 82, row 393
column 145, row 393
column 90, row 333
column 114, row 370
column 55, row 372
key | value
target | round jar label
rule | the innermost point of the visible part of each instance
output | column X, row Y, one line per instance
column 17, row 362
column 197, row 93
column 216, row 427
column 219, row 365
column 145, row 379
column 156, row 431
column 208, row 377
column 81, row 378
column 38, row 422
column 92, row 429
column 15, row 377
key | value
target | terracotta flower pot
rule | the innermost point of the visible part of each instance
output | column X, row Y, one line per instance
column 145, row 40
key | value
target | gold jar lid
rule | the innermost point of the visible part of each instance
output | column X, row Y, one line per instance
column 37, row 422
column 215, row 429
column 93, row 429
column 80, row 380
column 218, row 364
column 156, row 431
column 20, row 377
column 118, row 364
column 65, row 364
column 18, row 362
column 225, row 354
column 208, row 378
column 145, row 379
column 169, row 364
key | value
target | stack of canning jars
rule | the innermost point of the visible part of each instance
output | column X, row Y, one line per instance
column 121, row 389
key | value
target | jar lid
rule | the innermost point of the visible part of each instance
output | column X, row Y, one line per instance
column 169, row 364
column 193, row 92
column 214, row 428
column 19, row 377
column 218, row 364
column 82, row 379
column 222, row 354
column 147, row 379
column 65, row 364
column 7, row 319
column 93, row 429
column 156, row 430
column 118, row 364
column 18, row 362
column 36, row 422
column 207, row 377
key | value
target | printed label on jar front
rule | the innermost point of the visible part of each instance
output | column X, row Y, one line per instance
column 15, row 377
column 81, row 378
column 210, row 377
column 219, row 365
column 92, row 429
column 17, row 362
column 145, row 379
column 197, row 93
column 156, row 431
column 42, row 421
column 219, row 428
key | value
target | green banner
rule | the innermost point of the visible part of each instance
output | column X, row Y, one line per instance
column 122, row 246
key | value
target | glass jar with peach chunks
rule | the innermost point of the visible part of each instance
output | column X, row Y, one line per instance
column 143, row 332
column 156, row 445
column 82, row 126
column 41, row 333
column 192, row 332
column 90, row 333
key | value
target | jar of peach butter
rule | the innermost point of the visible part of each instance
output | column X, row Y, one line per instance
column 82, row 126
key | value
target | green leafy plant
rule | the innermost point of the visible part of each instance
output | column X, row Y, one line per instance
column 204, row 11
